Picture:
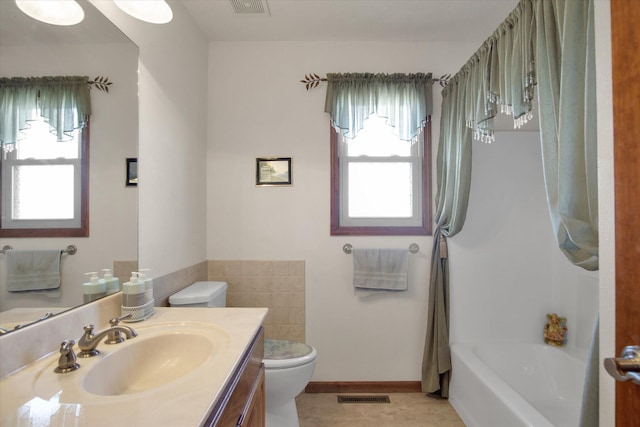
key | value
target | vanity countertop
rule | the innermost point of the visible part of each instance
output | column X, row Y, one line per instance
column 185, row 401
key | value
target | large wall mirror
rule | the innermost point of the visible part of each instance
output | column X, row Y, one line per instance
column 95, row 47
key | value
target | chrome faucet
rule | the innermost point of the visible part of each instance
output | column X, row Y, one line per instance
column 89, row 341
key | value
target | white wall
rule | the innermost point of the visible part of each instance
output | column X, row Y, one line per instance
column 172, row 97
column 114, row 133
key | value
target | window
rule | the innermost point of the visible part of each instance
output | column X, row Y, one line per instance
column 45, row 185
column 380, row 185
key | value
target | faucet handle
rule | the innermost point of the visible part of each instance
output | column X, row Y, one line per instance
column 67, row 360
column 116, row 320
column 115, row 336
column 88, row 330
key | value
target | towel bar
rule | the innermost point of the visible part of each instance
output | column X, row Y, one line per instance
column 71, row 249
column 413, row 248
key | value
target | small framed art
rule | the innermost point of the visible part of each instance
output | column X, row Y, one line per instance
column 272, row 171
column 132, row 172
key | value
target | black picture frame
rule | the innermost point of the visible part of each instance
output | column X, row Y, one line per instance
column 132, row 172
column 274, row 171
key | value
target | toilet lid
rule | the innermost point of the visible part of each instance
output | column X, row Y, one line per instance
column 286, row 354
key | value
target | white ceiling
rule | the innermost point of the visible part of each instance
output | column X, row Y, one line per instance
column 352, row 20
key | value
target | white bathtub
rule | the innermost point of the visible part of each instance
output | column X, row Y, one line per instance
column 513, row 385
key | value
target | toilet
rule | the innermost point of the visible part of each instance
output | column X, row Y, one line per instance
column 288, row 364
column 288, row 368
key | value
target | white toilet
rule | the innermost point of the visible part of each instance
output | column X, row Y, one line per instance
column 288, row 368
column 288, row 365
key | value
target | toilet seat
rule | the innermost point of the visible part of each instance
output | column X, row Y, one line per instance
column 280, row 354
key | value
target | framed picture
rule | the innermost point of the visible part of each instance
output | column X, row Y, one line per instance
column 132, row 172
column 273, row 171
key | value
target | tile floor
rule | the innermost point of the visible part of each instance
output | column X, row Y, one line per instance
column 405, row 410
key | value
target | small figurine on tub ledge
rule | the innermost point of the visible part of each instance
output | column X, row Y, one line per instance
column 554, row 330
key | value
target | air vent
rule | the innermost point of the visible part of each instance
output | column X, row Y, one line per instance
column 363, row 399
column 252, row 7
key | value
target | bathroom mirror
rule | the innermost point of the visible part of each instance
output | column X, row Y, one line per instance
column 93, row 48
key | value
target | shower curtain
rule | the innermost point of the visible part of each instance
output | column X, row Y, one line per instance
column 548, row 43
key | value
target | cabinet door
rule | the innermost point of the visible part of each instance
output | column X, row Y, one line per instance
column 253, row 414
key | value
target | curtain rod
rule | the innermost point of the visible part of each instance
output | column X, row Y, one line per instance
column 312, row 80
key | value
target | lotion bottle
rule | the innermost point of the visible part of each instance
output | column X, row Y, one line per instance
column 148, row 291
column 113, row 283
column 133, row 292
column 148, row 284
column 95, row 288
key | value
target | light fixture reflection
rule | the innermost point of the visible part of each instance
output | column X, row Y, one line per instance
column 152, row 11
column 56, row 12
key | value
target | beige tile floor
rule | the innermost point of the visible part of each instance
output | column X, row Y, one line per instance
column 405, row 410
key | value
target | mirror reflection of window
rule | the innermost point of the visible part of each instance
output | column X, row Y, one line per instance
column 42, row 181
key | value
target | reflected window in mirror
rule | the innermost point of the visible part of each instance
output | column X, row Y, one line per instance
column 45, row 184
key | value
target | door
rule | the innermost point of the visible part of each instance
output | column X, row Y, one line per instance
column 625, row 42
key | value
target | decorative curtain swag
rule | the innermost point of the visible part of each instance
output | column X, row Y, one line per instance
column 63, row 102
column 405, row 100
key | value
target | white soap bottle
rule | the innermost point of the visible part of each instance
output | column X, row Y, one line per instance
column 148, row 291
column 93, row 289
column 113, row 283
column 133, row 292
column 148, row 284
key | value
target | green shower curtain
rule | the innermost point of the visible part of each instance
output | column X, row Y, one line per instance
column 452, row 197
column 548, row 43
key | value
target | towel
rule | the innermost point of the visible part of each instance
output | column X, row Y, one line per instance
column 380, row 270
column 33, row 270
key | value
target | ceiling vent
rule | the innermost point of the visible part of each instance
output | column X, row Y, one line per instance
column 250, row 7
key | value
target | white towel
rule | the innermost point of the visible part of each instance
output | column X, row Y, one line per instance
column 33, row 270
column 380, row 270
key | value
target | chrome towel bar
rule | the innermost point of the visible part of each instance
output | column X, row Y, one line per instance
column 71, row 249
column 413, row 248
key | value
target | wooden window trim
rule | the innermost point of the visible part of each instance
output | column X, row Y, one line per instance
column 424, row 230
column 83, row 230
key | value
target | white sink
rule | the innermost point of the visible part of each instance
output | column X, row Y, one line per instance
column 158, row 356
column 147, row 364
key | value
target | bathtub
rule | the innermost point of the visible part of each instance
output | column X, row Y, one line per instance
column 513, row 385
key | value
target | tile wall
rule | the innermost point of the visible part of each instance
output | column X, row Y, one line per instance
column 277, row 285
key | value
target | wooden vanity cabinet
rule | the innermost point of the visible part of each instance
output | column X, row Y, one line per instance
column 242, row 401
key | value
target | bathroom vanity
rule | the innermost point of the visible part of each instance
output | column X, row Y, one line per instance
column 242, row 403
column 186, row 367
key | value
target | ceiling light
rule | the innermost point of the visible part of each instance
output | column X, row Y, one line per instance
column 152, row 11
column 56, row 12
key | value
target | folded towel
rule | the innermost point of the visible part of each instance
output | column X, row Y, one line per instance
column 33, row 270
column 380, row 270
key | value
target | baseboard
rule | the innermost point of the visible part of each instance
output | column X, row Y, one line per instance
column 364, row 387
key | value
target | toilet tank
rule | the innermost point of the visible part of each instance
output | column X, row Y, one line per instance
column 201, row 294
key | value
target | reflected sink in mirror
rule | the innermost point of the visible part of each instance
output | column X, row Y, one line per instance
column 161, row 354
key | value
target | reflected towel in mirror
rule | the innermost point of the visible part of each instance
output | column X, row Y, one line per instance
column 37, row 270
column 380, row 270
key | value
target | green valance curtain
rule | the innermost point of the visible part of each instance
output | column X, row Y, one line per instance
column 405, row 100
column 63, row 102
column 544, row 47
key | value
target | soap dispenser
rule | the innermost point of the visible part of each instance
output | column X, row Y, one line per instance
column 148, row 291
column 113, row 283
column 133, row 292
column 95, row 288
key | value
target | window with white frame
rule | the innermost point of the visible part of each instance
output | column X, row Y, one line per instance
column 45, row 184
column 380, row 184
